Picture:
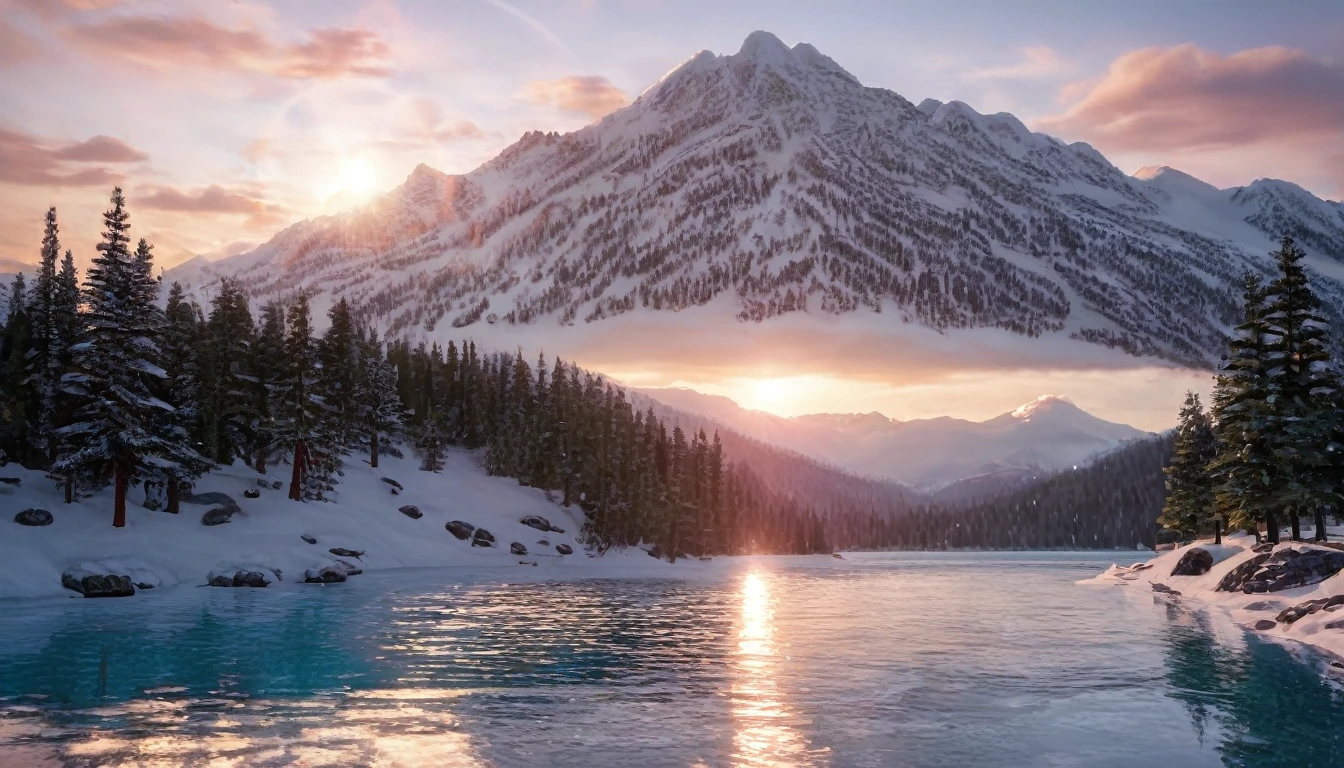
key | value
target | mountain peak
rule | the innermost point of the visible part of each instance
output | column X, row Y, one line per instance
column 1042, row 405
column 764, row 46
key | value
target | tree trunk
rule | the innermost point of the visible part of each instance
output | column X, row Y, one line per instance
column 174, row 495
column 296, row 479
column 373, row 449
column 261, row 462
column 1320, row 523
column 1296, row 521
column 119, row 504
column 1217, row 530
column 1272, row 528
column 69, row 490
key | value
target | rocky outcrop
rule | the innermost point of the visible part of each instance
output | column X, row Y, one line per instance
column 517, row 548
column 1164, row 589
column 253, row 579
column 1290, row 615
column 213, row 498
column 1282, row 569
column 343, row 552
column 411, row 511
column 460, row 529
column 97, row 584
column 1195, row 562
column 217, row 516
column 329, row 574
column 307, row 538
column 34, row 517
column 564, row 549
column 350, row 568
column 482, row 538
column 541, row 524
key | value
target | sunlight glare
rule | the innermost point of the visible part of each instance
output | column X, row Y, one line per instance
column 357, row 176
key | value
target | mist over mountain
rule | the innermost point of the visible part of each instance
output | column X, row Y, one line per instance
column 1046, row 435
column 771, row 182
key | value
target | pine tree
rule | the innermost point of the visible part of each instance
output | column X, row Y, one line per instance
column 115, row 369
column 16, row 400
column 44, row 356
column 1301, row 386
column 1189, row 502
column 340, row 363
column 303, row 424
column 377, row 392
column 227, row 405
column 68, row 327
column 181, row 389
column 267, row 366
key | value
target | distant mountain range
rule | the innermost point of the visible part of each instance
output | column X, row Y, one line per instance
column 772, row 182
column 1041, row 437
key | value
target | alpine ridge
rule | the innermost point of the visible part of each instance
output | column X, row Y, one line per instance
column 771, row 182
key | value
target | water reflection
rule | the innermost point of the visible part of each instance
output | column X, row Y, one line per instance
column 764, row 734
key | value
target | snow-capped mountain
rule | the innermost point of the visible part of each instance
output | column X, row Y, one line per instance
column 772, row 181
column 1047, row 434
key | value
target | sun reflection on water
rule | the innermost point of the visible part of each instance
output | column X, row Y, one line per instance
column 763, row 730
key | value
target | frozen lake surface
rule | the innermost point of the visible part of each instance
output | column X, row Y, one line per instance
column 901, row 659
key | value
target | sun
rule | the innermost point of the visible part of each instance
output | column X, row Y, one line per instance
column 769, row 394
column 357, row 176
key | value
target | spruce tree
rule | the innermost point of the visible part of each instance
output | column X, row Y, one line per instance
column 303, row 425
column 267, row 367
column 44, row 357
column 16, row 399
column 377, row 393
column 181, row 389
column 1189, row 501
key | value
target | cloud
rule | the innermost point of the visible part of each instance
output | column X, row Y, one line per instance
column 1186, row 98
column 1037, row 62
column 592, row 95
column 29, row 160
column 211, row 199
column 177, row 42
column 15, row 45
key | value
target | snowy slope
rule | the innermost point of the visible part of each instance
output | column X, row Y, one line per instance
column 771, row 182
column 1049, row 433
column 178, row 550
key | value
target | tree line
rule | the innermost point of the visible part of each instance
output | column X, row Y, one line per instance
column 1272, row 444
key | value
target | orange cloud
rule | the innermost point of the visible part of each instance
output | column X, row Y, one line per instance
column 29, row 160
column 1186, row 98
column 172, row 43
column 592, row 95
column 211, row 199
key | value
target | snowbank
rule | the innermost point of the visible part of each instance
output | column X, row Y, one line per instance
column 163, row 550
column 1323, row 629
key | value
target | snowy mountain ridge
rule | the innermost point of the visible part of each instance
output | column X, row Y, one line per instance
column 771, row 182
column 1045, row 435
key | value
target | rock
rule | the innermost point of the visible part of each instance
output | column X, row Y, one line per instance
column 543, row 543
column 527, row 562
column 1337, row 624
column 564, row 549
column 155, row 495
column 1264, row 624
column 411, row 511
column 1282, row 569
column 250, row 579
column 1164, row 589
column 1267, row 546
column 307, row 538
column 517, row 548
column 538, row 522
column 1237, row 577
column 343, row 552
column 33, row 517
column 217, row 516
column 264, row 483
column 1165, row 547
column 482, row 538
column 460, row 529
column 143, row 585
column 97, row 584
column 251, row 493
column 1332, row 603
column 350, row 568
column 277, row 485
column 1263, row 605
column 214, row 497
column 219, row 580
column 14, row 481
column 329, row 574
column 393, row 483
column 704, row 558
column 1195, row 562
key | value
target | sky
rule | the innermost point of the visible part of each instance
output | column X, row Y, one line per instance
column 226, row 120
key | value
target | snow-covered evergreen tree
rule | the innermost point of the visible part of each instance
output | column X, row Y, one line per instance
column 379, row 404
column 268, row 364
column 303, row 425
column 1189, row 503
column 44, row 355
column 181, row 389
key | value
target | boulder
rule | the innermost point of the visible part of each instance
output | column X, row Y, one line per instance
column 538, row 522
column 255, row 577
column 543, row 543
column 264, row 483
column 1262, row 548
column 482, row 538
column 1337, row 624
column 329, row 574
column 517, row 548
column 307, row 538
column 220, row 580
column 350, row 568
column 1264, row 605
column 343, row 552
column 277, row 485
column 143, row 585
column 460, row 529
column 217, row 516
column 251, row 493
column 33, row 517
column 564, row 549
column 393, row 483
column 250, row 579
column 1164, row 589
column 1195, row 562
column 411, row 511
column 213, row 497
column 14, row 481
column 97, row 584
column 1282, row 569
column 1264, row 624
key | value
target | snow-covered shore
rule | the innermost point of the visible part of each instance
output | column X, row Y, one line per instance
column 1267, row 613
column 167, row 550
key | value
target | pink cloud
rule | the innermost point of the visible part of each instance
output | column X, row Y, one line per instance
column 1186, row 98
column 1036, row 62
column 177, row 42
column 211, row 199
column 15, row 45
column 29, row 160
column 592, row 95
